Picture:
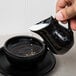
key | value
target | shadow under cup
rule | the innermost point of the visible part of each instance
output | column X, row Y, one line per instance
column 24, row 50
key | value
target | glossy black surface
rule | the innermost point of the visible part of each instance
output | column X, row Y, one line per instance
column 17, row 47
column 58, row 38
column 42, row 68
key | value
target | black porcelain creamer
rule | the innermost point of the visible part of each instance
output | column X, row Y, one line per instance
column 56, row 37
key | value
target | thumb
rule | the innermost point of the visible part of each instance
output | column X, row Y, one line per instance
column 66, row 13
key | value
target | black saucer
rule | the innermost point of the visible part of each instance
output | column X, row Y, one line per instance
column 41, row 69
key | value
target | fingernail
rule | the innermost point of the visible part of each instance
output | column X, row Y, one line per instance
column 59, row 16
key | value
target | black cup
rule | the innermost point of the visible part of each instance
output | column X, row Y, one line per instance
column 24, row 50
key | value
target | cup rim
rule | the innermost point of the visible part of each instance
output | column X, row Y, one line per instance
column 25, row 57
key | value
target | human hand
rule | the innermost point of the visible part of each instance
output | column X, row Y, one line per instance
column 66, row 9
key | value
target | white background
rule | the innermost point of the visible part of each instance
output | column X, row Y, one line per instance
column 16, row 16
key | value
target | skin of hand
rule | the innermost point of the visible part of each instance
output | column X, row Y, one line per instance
column 66, row 9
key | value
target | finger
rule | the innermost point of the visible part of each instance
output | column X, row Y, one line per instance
column 60, row 4
column 66, row 13
column 63, row 3
column 73, row 24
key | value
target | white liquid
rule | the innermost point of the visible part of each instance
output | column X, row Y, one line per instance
column 38, row 27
